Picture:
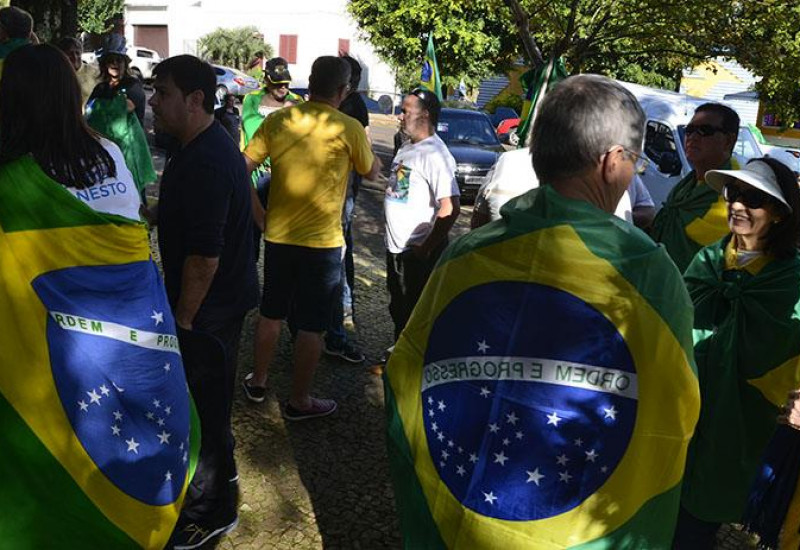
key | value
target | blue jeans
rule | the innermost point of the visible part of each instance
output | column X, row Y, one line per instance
column 336, row 336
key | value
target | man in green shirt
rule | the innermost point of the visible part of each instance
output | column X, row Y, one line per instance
column 694, row 215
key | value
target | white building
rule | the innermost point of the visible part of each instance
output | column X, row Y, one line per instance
column 297, row 31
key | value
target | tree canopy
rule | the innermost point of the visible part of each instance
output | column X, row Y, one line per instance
column 233, row 47
column 649, row 41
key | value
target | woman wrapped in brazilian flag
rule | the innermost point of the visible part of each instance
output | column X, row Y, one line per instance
column 116, row 110
column 746, row 293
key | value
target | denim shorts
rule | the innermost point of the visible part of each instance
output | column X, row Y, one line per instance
column 302, row 281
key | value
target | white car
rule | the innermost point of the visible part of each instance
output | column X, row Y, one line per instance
column 143, row 60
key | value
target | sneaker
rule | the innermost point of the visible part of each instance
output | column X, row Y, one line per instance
column 319, row 408
column 256, row 394
column 194, row 535
column 348, row 352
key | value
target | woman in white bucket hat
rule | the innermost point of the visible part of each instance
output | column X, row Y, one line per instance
column 746, row 293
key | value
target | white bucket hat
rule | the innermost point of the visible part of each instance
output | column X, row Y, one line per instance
column 755, row 174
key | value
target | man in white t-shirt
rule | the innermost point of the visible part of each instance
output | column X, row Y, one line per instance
column 512, row 175
column 421, row 205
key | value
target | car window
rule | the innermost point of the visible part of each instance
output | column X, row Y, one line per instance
column 660, row 147
column 745, row 145
column 145, row 54
column 462, row 128
column 219, row 71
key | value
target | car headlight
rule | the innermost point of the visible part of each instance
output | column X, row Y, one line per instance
column 466, row 168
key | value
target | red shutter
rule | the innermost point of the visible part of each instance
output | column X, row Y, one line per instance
column 344, row 47
column 287, row 48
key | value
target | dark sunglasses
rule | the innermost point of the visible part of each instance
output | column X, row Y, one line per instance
column 750, row 197
column 704, row 130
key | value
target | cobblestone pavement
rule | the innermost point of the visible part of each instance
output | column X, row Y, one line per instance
column 323, row 483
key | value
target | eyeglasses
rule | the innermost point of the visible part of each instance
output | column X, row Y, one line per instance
column 704, row 130
column 749, row 196
column 640, row 162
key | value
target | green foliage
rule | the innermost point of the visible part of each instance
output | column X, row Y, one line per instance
column 93, row 15
column 505, row 100
column 233, row 47
column 478, row 39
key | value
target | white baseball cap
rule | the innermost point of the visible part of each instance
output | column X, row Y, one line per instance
column 756, row 174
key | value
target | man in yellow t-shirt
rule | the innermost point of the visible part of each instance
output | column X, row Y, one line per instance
column 313, row 147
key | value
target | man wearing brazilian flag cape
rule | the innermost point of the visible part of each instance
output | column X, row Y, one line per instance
column 543, row 393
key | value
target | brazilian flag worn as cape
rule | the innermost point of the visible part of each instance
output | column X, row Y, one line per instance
column 747, row 348
column 95, row 449
column 111, row 118
column 543, row 393
column 694, row 216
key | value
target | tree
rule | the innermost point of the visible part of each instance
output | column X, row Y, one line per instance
column 766, row 40
column 480, row 38
column 52, row 18
column 233, row 47
column 94, row 15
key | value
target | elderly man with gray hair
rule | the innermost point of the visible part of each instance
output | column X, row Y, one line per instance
column 545, row 376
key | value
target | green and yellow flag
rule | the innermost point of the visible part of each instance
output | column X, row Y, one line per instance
column 747, row 347
column 95, row 410
column 430, row 79
column 543, row 393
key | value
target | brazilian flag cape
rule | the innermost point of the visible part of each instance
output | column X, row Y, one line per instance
column 747, row 348
column 694, row 216
column 543, row 393
column 111, row 118
column 95, row 449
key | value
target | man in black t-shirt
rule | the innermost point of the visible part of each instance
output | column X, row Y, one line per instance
column 205, row 222
column 337, row 342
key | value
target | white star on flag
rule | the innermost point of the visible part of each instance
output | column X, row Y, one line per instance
column 591, row 456
column 83, row 405
column 485, row 392
column 430, row 400
column 604, row 469
column 104, row 390
column 494, row 428
column 511, row 418
column 450, row 443
column 185, row 457
column 554, row 419
column 158, row 317
column 167, row 367
column 534, row 476
column 435, row 427
column 565, row 476
column 120, row 390
column 562, row 460
column 506, row 441
column 519, row 435
column 440, row 437
column 117, row 415
column 160, row 421
column 430, row 412
column 168, row 476
column 489, row 497
column 611, row 413
column 473, row 458
column 132, row 445
column 150, row 415
column 94, row 397
column 578, row 442
column 501, row 458
column 157, row 403
column 115, row 429
column 442, row 406
column 163, row 437
column 168, row 410
column 483, row 346
column 445, row 455
column 460, row 470
column 180, row 447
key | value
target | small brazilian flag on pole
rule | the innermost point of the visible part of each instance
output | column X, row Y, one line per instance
column 98, row 431
column 531, row 406
column 430, row 78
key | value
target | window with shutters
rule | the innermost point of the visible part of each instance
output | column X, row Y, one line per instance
column 288, row 47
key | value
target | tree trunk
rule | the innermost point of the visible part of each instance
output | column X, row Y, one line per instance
column 521, row 19
column 51, row 18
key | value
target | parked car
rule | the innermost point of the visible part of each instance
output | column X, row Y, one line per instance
column 507, row 131
column 471, row 139
column 790, row 157
column 233, row 81
column 143, row 61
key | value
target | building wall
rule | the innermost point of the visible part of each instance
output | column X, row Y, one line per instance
column 318, row 24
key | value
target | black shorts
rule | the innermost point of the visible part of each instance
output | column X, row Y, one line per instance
column 302, row 280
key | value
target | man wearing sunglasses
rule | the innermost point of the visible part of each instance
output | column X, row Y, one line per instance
column 694, row 215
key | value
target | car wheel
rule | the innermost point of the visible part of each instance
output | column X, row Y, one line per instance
column 513, row 138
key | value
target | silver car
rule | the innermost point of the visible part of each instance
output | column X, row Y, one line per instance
column 233, row 81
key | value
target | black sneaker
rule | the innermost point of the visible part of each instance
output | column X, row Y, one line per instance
column 348, row 352
column 194, row 535
column 256, row 394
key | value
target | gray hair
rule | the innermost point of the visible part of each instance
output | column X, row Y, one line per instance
column 328, row 74
column 580, row 120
